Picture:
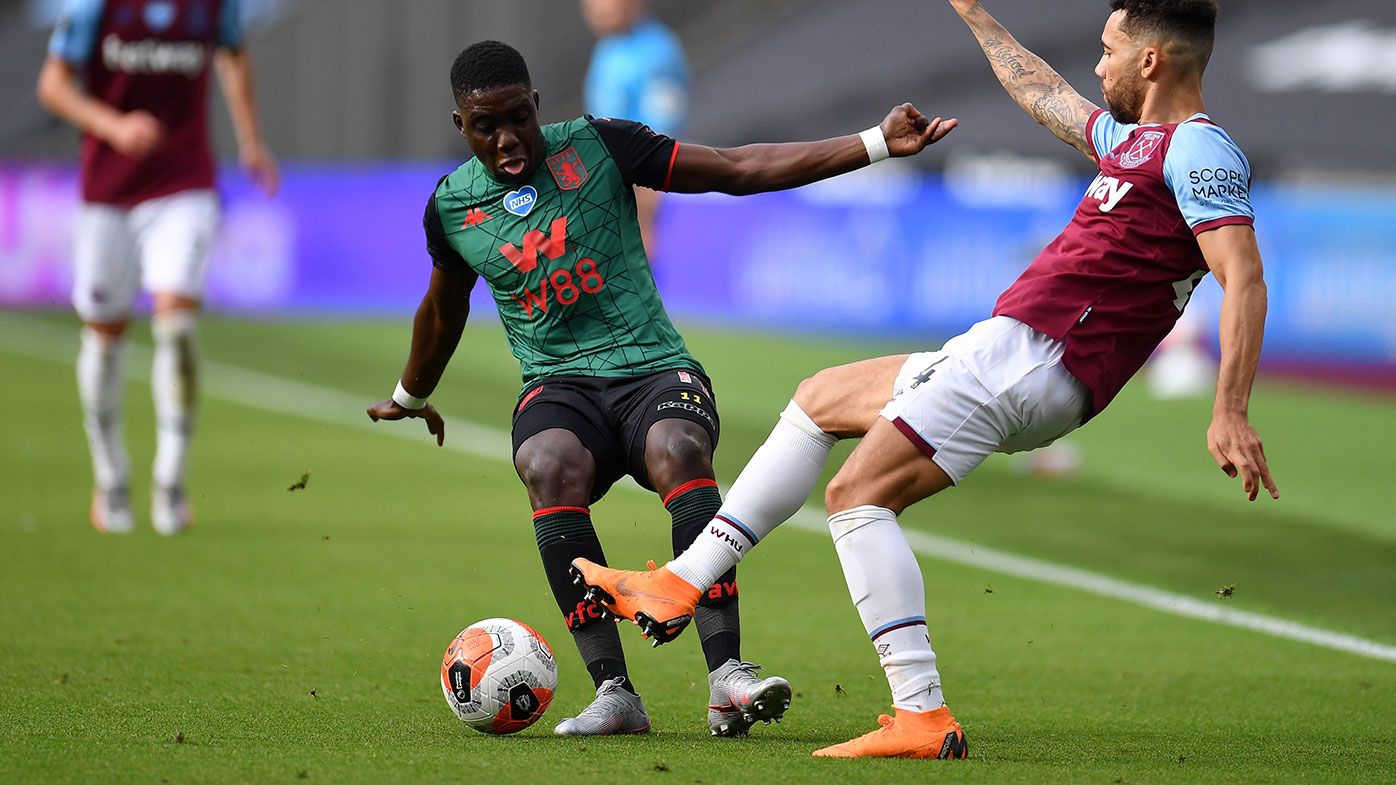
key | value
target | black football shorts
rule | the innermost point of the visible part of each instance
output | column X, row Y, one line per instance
column 612, row 416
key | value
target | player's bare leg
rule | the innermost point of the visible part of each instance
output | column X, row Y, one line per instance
column 835, row 403
column 885, row 475
column 174, row 386
column 559, row 473
column 844, row 400
column 100, row 383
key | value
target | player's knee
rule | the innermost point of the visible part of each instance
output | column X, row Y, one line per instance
column 109, row 331
column 676, row 453
column 555, row 476
column 814, row 397
column 688, row 451
column 807, row 392
column 167, row 302
column 840, row 494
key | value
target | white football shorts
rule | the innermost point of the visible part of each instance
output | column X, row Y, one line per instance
column 161, row 244
column 999, row 387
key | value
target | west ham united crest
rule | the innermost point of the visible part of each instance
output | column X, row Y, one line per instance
column 568, row 170
column 1142, row 150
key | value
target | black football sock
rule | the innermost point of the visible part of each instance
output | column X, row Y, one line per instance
column 719, row 630
column 692, row 505
column 564, row 534
column 598, row 643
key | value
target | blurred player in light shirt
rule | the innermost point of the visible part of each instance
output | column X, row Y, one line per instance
column 638, row 72
column 132, row 75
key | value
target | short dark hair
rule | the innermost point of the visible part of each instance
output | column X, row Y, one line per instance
column 487, row 64
column 1190, row 23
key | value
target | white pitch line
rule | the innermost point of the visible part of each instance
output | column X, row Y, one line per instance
column 32, row 338
column 946, row 549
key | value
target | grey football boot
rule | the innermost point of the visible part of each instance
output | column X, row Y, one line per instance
column 170, row 512
column 739, row 699
column 616, row 710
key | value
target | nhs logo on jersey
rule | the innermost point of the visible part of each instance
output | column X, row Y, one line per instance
column 1109, row 190
column 521, row 202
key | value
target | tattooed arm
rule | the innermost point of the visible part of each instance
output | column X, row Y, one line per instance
column 1041, row 91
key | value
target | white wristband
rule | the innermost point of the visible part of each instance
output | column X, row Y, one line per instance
column 876, row 144
column 407, row 400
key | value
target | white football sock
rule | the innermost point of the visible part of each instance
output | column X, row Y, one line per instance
column 885, row 583
column 173, row 380
column 773, row 486
column 100, row 380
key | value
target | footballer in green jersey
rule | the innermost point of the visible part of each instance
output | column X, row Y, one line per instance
column 546, row 215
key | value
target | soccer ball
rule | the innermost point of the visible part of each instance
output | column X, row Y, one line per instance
column 498, row 676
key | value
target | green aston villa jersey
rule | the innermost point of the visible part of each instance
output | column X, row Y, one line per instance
column 562, row 252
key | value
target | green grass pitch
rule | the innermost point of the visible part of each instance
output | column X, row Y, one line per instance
column 297, row 636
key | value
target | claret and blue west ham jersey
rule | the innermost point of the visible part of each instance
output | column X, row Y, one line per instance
column 151, row 55
column 1115, row 281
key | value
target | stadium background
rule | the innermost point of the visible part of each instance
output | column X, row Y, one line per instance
column 345, row 588
column 356, row 106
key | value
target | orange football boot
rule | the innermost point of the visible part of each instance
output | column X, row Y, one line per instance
column 911, row 734
column 659, row 601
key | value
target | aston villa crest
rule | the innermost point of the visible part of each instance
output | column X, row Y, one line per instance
column 568, row 170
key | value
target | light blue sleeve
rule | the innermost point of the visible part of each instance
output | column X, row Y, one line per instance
column 607, row 85
column 1106, row 133
column 230, row 25
column 1210, row 177
column 75, row 37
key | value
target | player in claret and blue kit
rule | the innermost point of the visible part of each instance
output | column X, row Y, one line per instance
column 133, row 76
column 1171, row 202
column 546, row 216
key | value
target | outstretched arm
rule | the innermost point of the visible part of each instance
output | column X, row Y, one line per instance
column 436, row 332
column 1234, row 258
column 1041, row 91
column 235, row 77
column 758, row 168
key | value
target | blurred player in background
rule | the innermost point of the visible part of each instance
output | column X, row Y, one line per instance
column 637, row 72
column 1182, row 368
column 1062, row 341
column 546, row 216
column 132, row 75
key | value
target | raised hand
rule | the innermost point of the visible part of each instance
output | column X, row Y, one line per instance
column 390, row 410
column 1237, row 449
column 908, row 132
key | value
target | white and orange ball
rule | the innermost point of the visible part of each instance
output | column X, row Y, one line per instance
column 498, row 676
